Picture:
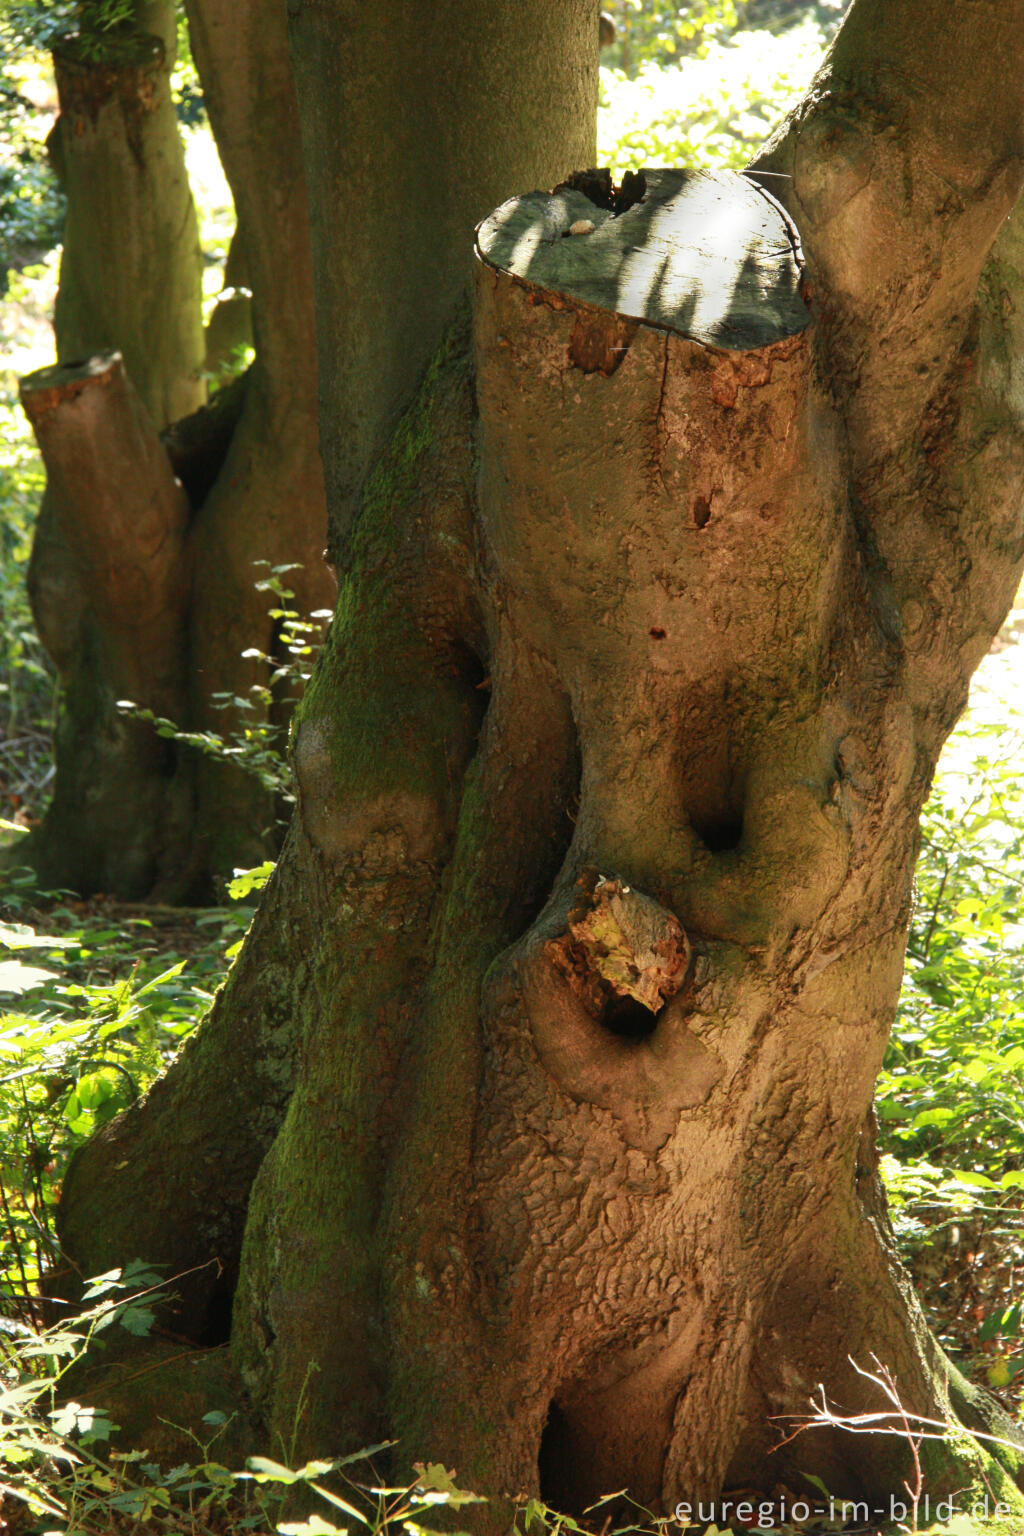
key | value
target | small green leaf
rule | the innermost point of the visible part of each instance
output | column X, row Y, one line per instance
column 249, row 880
column 138, row 1321
column 974, row 1180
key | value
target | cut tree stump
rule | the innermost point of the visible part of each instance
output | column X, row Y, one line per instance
column 110, row 592
column 124, row 517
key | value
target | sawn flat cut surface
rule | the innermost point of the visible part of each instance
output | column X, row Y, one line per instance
column 709, row 255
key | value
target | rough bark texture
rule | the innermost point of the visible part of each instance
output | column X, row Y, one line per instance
column 573, row 1184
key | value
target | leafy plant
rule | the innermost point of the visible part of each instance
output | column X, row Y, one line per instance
column 950, row 1094
column 31, row 25
column 57, row 1460
column 94, row 1004
column 658, row 34
column 260, row 748
column 953, row 1086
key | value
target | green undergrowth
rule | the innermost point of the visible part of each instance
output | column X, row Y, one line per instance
column 951, row 1095
column 95, row 998
column 687, row 88
column 710, row 112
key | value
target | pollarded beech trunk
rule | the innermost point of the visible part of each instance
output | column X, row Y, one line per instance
column 256, row 501
column 130, row 279
column 573, row 1183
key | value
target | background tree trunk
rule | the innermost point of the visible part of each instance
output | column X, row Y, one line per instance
column 131, row 279
column 573, row 1182
column 264, row 505
column 138, row 285
column 122, row 520
column 414, row 125
column 268, row 501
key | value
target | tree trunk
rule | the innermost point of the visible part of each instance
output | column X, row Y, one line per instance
column 139, row 286
column 130, row 279
column 414, row 125
column 268, row 501
column 265, row 503
column 571, row 1179
column 120, row 519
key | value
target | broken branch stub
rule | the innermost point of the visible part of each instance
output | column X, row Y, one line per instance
column 621, row 943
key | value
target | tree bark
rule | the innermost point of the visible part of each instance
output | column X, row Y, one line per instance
column 139, row 287
column 121, row 520
column 404, row 165
column 130, row 279
column 268, row 501
column 570, row 1180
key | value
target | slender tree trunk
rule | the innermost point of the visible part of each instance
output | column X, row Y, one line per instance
column 569, row 1176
